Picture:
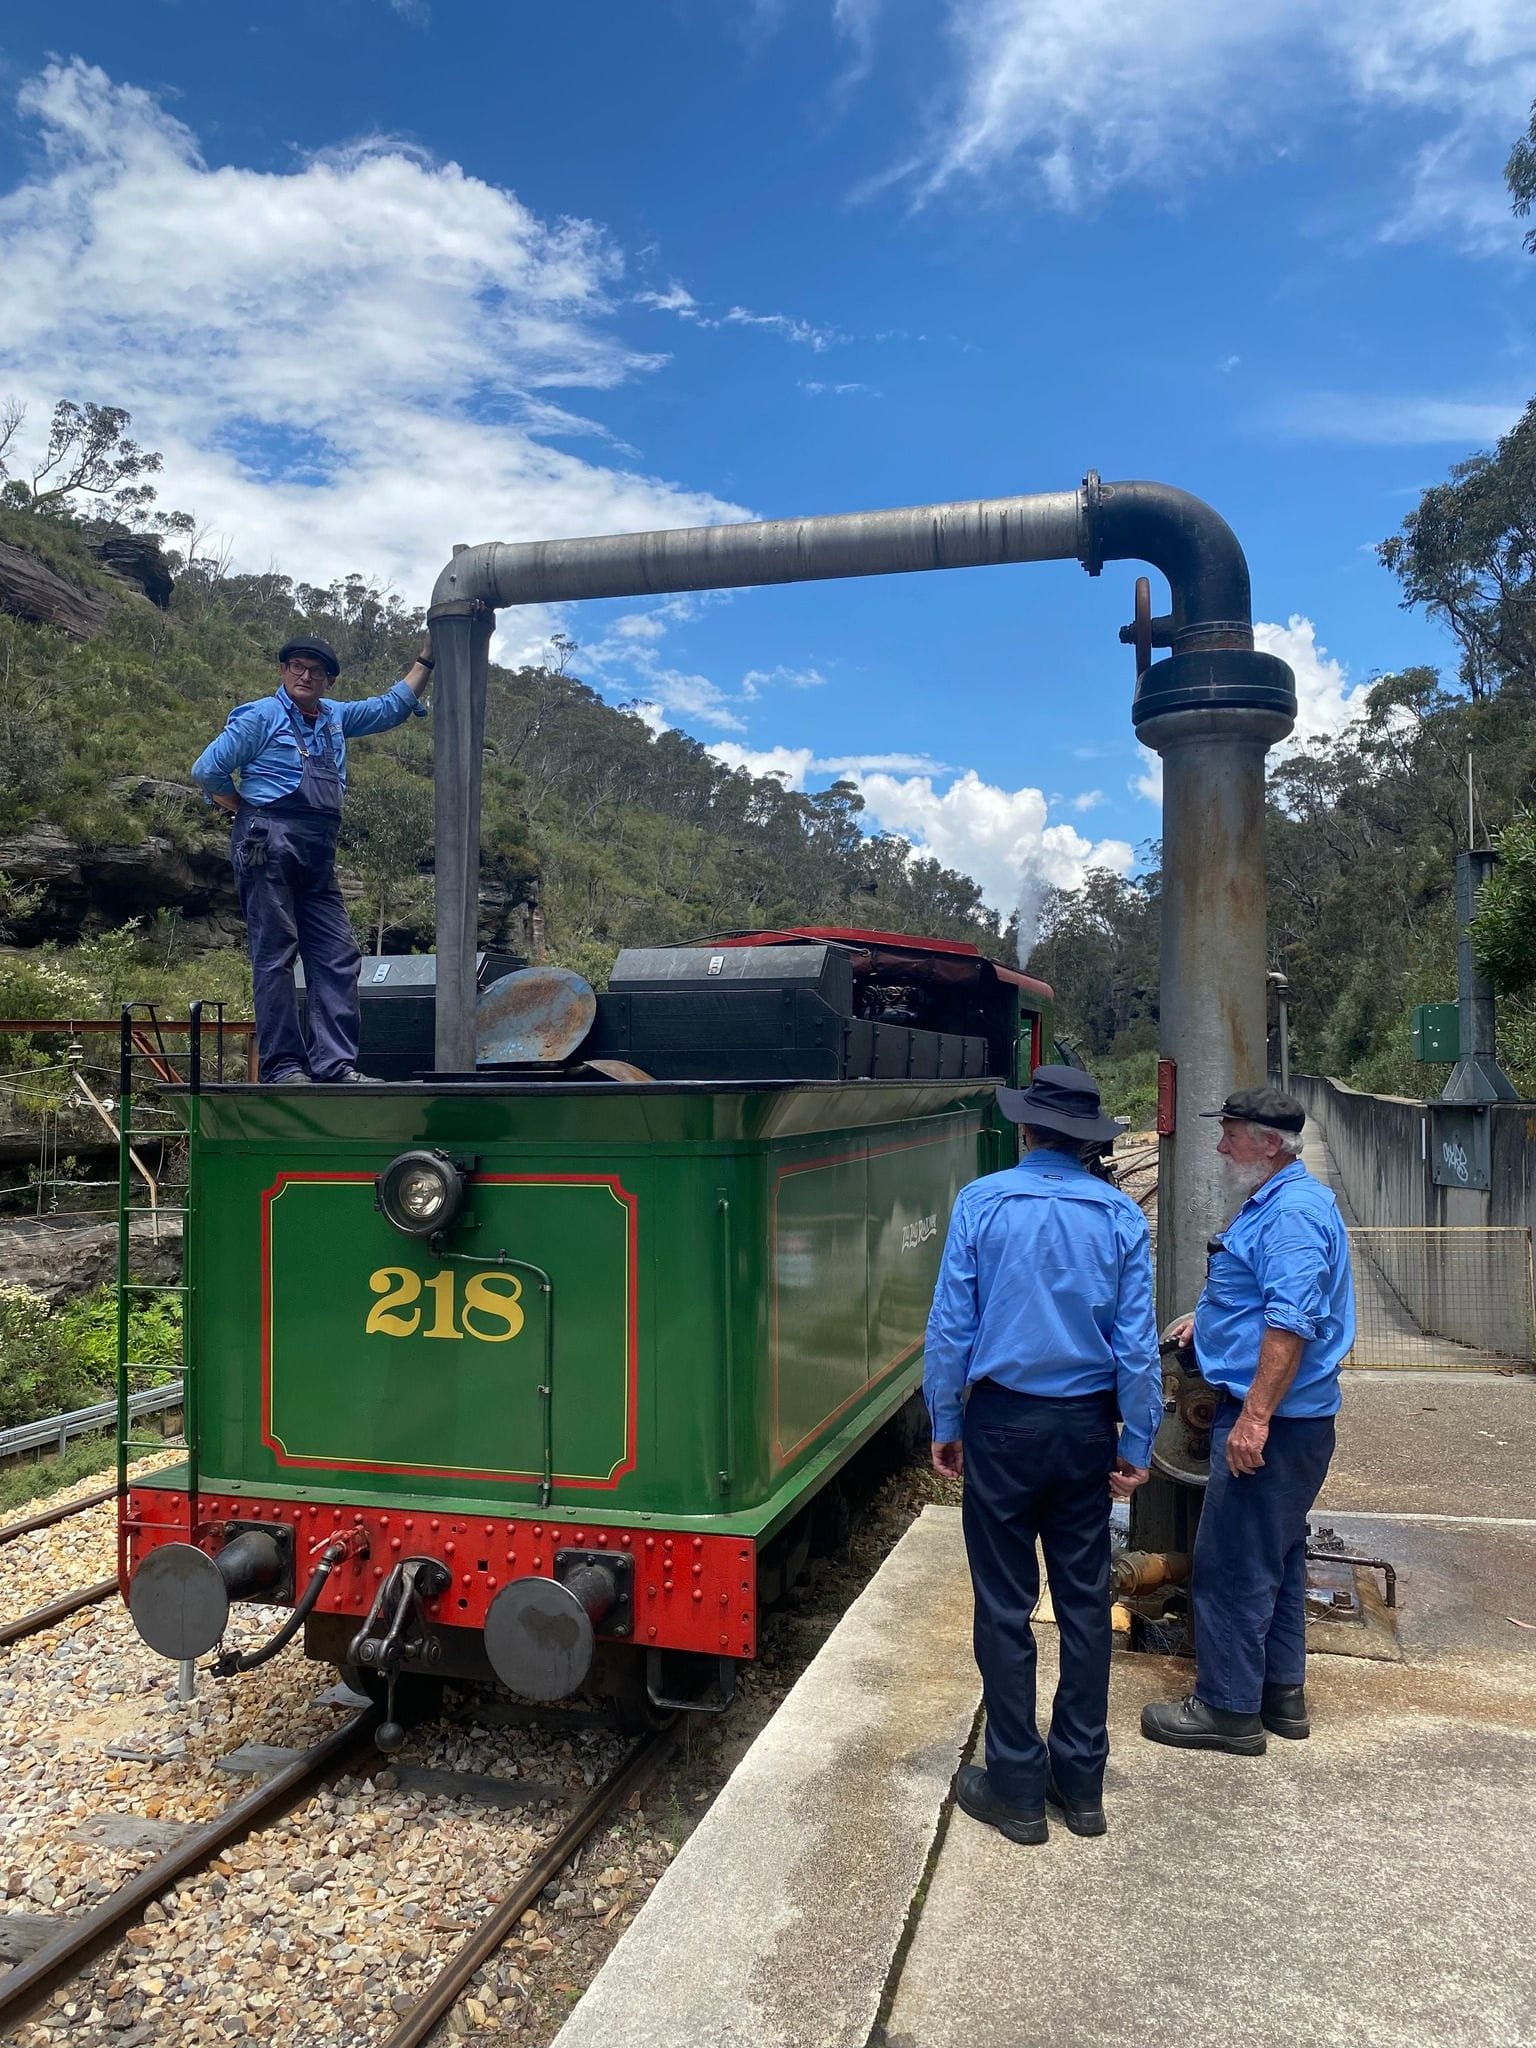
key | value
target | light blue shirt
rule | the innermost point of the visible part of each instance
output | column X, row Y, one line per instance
column 1282, row 1264
column 1046, row 1287
column 259, row 743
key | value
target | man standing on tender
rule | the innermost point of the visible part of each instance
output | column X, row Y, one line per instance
column 1041, row 1326
column 1275, row 1320
column 290, row 752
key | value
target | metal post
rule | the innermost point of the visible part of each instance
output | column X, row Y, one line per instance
column 186, row 1680
column 1477, row 1075
column 461, row 640
column 1212, row 980
column 1285, row 1045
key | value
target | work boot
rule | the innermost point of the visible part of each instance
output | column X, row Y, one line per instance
column 1284, row 1711
column 1081, row 1817
column 1191, row 1724
column 294, row 1078
column 348, row 1075
column 976, row 1797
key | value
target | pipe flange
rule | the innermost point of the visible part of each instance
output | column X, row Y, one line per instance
column 1090, row 538
column 1217, row 681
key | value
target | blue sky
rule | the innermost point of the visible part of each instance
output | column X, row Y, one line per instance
column 379, row 278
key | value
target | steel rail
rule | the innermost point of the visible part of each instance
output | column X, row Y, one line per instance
column 62, row 1513
column 474, row 1953
column 81, row 1941
column 41, row 1618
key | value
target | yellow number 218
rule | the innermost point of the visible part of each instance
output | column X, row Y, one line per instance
column 494, row 1298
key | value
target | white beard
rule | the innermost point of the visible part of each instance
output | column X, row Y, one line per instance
column 1240, row 1179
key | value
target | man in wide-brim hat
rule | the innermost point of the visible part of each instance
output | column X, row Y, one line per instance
column 1041, row 1330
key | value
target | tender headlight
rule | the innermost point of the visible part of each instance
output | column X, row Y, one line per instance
column 420, row 1193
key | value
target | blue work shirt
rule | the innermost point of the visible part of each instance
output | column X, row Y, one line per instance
column 1046, row 1287
column 259, row 743
column 1282, row 1264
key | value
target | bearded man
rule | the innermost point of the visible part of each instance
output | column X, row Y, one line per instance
column 1274, row 1323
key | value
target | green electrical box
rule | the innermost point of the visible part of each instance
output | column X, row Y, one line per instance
column 1436, row 1032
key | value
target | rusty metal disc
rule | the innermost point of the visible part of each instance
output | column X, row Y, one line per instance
column 536, row 1017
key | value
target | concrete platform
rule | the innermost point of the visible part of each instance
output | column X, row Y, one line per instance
column 1370, row 1888
column 777, row 1923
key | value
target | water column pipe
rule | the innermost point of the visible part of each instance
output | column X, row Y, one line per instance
column 1210, row 710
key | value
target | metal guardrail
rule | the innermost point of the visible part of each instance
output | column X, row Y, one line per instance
column 53, row 1432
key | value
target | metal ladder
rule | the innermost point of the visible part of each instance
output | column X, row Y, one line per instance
column 144, row 1066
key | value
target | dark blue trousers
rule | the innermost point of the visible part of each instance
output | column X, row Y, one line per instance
column 285, row 871
column 1249, row 1579
column 1037, row 1468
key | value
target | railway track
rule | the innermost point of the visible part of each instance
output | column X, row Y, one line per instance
column 48, row 1517
column 53, row 1611
column 82, row 1941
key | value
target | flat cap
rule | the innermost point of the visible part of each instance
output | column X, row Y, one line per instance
column 1268, row 1106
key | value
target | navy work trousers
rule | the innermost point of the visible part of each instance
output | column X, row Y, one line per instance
column 285, row 870
column 1249, row 1579
column 1037, row 1467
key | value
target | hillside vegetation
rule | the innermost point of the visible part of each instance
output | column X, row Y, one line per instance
column 615, row 836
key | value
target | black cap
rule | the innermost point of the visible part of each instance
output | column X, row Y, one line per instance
column 1267, row 1106
column 1061, row 1099
column 322, row 650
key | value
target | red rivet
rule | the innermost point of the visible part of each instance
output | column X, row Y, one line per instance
column 650, row 1592
column 490, row 1529
column 698, row 1542
column 602, row 1538
column 580, row 1536
column 724, row 1642
column 490, row 1579
column 725, row 1599
column 378, row 1571
column 698, row 1571
column 698, row 1593
column 650, row 1542
column 511, row 1556
column 436, row 1525
column 383, row 1520
column 394, row 1542
column 624, row 1542
column 650, row 1632
column 538, row 1562
column 410, row 1522
column 538, row 1528
column 464, row 1579
column 666, row 1585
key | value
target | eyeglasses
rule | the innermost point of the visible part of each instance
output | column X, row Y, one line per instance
column 312, row 671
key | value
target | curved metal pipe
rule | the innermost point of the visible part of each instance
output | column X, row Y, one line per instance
column 1178, row 533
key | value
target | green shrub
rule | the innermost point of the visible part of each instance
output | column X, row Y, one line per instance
column 41, row 1372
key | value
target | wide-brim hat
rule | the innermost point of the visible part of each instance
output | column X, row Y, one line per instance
column 322, row 650
column 1061, row 1099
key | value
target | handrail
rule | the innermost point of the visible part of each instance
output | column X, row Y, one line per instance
column 59, row 1429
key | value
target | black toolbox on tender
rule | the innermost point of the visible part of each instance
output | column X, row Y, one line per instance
column 744, row 1013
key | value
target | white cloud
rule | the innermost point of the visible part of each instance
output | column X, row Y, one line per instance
column 1381, row 420
column 345, row 365
column 757, row 679
column 795, row 765
column 1000, row 837
column 1089, row 800
column 813, row 389
column 650, row 715
column 1326, row 700
column 1087, row 94
column 679, row 300
column 790, row 764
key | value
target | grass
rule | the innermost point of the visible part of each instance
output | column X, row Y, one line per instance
column 82, row 1460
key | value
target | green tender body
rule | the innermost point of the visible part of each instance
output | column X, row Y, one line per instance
column 722, row 1288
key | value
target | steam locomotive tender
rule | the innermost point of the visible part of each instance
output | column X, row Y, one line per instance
column 535, row 1373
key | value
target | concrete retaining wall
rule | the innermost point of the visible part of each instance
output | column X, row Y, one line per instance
column 1474, row 1291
